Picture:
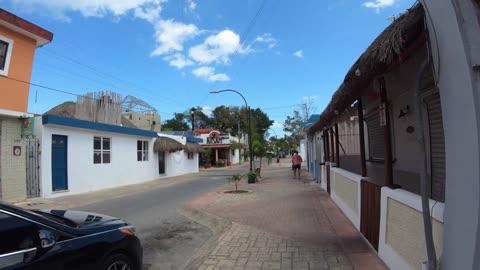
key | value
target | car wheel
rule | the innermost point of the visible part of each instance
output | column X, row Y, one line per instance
column 118, row 262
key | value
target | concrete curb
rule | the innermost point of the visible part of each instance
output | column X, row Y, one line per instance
column 216, row 224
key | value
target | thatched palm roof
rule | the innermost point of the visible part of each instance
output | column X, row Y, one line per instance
column 165, row 144
column 194, row 148
column 66, row 109
column 380, row 56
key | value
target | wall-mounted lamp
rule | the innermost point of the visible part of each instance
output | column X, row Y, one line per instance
column 404, row 111
column 410, row 129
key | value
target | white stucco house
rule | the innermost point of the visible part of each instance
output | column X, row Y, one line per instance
column 78, row 156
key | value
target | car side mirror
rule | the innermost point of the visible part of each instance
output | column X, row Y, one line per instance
column 46, row 238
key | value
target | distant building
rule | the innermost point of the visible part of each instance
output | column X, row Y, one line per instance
column 221, row 148
column 146, row 121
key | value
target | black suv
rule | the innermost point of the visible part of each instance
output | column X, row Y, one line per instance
column 64, row 239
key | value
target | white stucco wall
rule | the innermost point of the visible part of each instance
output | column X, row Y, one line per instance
column 456, row 24
column 346, row 193
column 177, row 163
column 124, row 169
column 401, row 240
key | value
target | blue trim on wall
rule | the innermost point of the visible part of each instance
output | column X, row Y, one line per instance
column 187, row 134
column 77, row 123
column 194, row 140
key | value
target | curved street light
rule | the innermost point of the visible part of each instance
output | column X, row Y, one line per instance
column 249, row 124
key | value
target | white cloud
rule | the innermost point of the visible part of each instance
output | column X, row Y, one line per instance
column 277, row 124
column 379, row 4
column 208, row 73
column 218, row 48
column 191, row 5
column 150, row 14
column 178, row 60
column 207, row 110
column 298, row 54
column 267, row 39
column 90, row 8
column 309, row 97
column 171, row 35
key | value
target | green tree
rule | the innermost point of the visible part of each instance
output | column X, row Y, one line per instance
column 177, row 123
column 201, row 119
column 293, row 125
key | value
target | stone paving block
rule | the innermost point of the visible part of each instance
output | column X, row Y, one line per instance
column 234, row 255
column 226, row 263
column 300, row 264
column 341, row 267
column 332, row 260
column 205, row 267
column 252, row 263
column 271, row 265
column 342, row 259
column 318, row 264
column 241, row 262
column 275, row 256
column 210, row 261
column 245, row 254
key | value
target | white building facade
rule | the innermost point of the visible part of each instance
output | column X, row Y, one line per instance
column 78, row 156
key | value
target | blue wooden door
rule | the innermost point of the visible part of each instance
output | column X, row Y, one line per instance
column 59, row 163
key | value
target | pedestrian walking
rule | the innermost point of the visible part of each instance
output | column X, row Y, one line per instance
column 296, row 162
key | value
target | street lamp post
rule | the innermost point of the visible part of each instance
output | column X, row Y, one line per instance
column 250, row 149
column 192, row 113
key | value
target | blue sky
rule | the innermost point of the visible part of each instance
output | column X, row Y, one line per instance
column 173, row 53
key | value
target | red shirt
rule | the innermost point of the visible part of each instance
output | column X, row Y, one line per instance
column 297, row 159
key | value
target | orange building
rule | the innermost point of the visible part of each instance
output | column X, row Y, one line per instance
column 18, row 41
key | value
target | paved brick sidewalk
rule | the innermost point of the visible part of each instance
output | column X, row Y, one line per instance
column 284, row 223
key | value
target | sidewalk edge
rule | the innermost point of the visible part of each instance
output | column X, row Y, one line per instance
column 215, row 223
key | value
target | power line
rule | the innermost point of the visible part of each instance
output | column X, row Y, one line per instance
column 53, row 89
column 105, row 74
column 244, row 37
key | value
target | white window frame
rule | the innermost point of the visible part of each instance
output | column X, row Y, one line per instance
column 143, row 150
column 4, row 71
column 101, row 150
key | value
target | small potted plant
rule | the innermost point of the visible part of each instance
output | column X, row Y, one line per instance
column 252, row 177
column 236, row 178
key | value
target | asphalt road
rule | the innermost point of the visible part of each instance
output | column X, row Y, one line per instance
column 168, row 238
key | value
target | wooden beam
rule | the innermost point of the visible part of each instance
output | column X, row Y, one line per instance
column 387, row 135
column 325, row 146
column 337, row 146
column 332, row 147
column 326, row 142
column 361, row 131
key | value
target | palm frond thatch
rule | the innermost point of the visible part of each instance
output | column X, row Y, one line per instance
column 66, row 109
column 194, row 148
column 384, row 51
column 165, row 144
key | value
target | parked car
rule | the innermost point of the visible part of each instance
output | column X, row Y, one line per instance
column 66, row 239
